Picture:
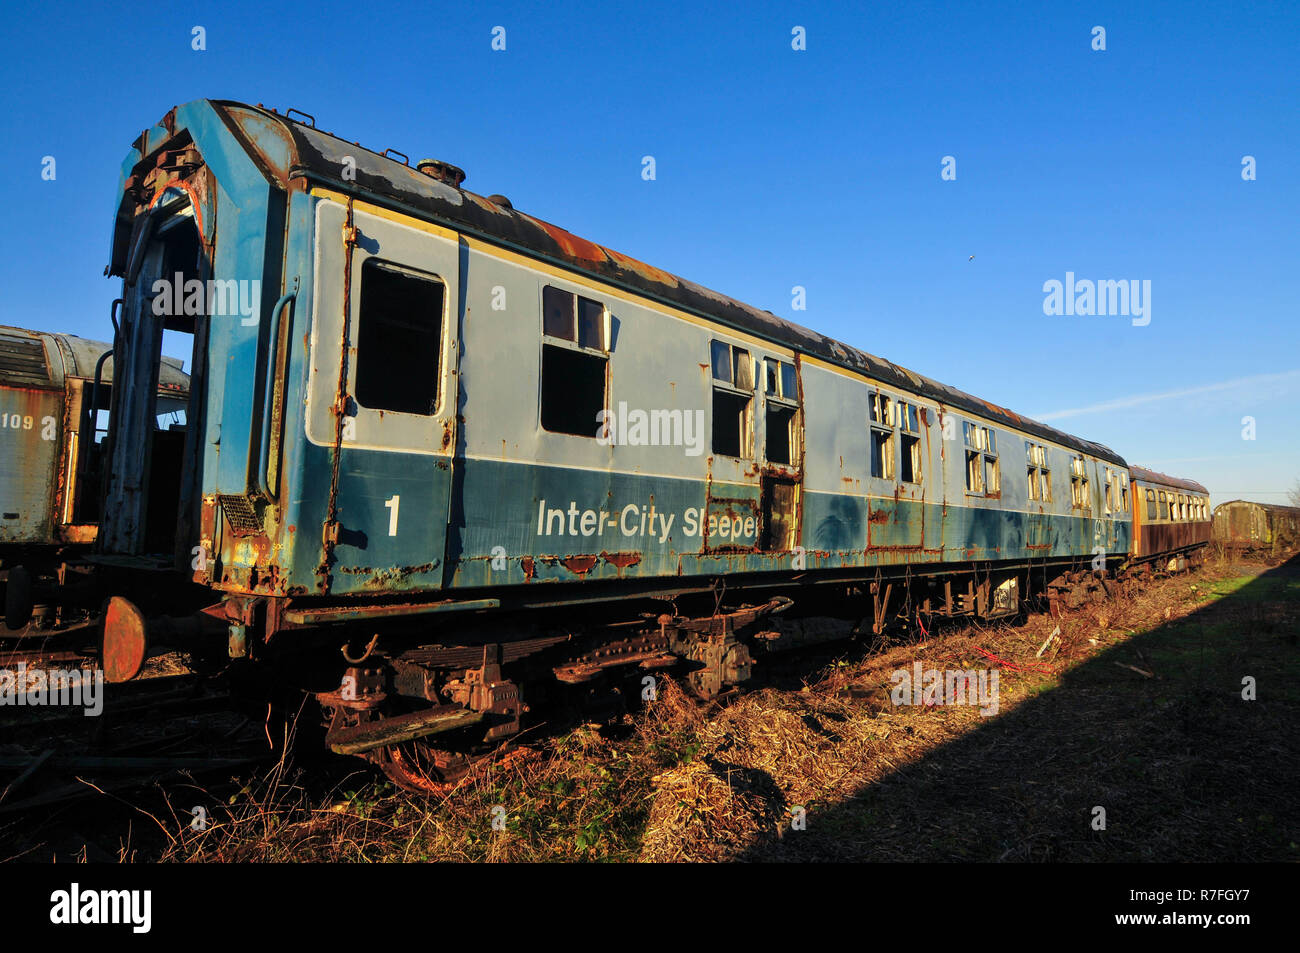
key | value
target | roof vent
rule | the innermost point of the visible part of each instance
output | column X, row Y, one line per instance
column 500, row 200
column 442, row 171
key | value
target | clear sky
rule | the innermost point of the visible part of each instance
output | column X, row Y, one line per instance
column 775, row 168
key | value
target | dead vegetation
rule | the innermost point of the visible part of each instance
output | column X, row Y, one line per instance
column 1135, row 707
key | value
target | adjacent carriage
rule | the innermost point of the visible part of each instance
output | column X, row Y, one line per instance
column 1241, row 526
column 54, row 395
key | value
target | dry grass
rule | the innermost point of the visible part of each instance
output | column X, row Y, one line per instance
column 1185, row 769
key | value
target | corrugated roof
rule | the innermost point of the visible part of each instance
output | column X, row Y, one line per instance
column 78, row 354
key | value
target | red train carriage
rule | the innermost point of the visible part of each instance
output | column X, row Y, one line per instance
column 1171, row 516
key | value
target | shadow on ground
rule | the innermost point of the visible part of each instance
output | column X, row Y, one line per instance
column 1184, row 767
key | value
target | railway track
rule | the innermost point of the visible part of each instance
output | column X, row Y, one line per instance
column 118, row 738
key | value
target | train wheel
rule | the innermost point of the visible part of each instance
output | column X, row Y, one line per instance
column 421, row 768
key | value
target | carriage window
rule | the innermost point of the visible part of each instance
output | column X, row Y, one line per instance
column 1040, row 478
column 399, row 340
column 733, row 389
column 909, row 424
column 575, row 362
column 882, row 454
column 781, row 437
column 1079, row 483
column 983, row 474
column 780, row 380
column 882, row 436
column 1164, row 506
column 782, row 411
column 1151, row 505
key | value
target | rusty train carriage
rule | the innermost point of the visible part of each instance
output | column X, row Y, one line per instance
column 1171, row 516
column 404, row 441
column 50, row 458
column 1243, row 526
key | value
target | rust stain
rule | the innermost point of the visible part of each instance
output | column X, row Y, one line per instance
column 570, row 244
column 621, row 560
column 641, row 268
column 580, row 565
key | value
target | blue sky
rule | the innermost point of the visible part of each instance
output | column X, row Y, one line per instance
column 775, row 168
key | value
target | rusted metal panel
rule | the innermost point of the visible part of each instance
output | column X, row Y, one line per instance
column 1244, row 525
column 31, row 425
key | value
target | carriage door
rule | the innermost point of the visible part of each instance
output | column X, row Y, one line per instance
column 384, row 344
column 782, row 475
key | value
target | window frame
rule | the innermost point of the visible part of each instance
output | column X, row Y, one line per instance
column 782, row 402
column 1039, row 472
column 909, row 441
column 980, row 444
column 602, row 353
column 1080, row 495
column 747, row 436
column 354, row 372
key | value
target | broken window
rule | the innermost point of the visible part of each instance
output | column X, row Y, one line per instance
column 1164, row 506
column 1040, row 477
column 881, row 413
column 733, row 390
column 575, row 362
column 1123, row 491
column 399, row 339
column 781, row 434
column 1112, row 491
column 781, row 387
column 882, row 454
column 780, row 380
column 1151, row 506
column 982, row 468
column 1079, row 483
column 909, row 470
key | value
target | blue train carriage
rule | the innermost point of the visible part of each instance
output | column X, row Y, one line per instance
column 51, row 463
column 419, row 412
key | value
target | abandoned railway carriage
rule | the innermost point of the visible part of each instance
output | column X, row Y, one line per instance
column 444, row 427
column 50, row 453
column 1171, row 516
column 1243, row 526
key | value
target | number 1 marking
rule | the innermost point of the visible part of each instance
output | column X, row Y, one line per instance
column 393, row 503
